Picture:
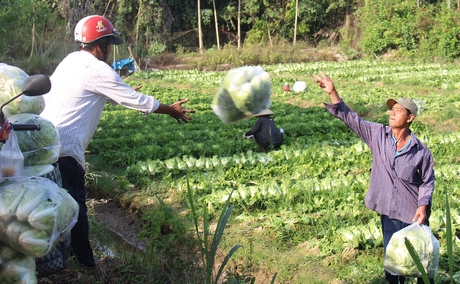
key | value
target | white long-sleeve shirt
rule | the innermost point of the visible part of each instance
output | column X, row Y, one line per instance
column 80, row 86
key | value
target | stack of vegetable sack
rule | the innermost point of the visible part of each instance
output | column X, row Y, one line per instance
column 245, row 91
column 36, row 213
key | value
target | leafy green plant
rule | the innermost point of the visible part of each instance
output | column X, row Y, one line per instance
column 156, row 48
column 449, row 240
column 416, row 258
column 210, row 243
column 417, row 261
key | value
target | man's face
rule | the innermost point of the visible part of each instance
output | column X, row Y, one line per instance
column 100, row 52
column 400, row 117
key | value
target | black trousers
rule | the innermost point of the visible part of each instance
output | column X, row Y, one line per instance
column 73, row 180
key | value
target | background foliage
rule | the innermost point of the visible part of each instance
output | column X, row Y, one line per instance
column 43, row 29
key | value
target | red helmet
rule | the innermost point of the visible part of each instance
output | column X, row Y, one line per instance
column 92, row 28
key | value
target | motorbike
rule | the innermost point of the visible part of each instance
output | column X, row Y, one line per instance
column 34, row 85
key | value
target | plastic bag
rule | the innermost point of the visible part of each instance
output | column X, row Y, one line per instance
column 11, row 158
column 34, row 214
column 16, row 267
column 38, row 147
column 245, row 91
column 398, row 261
column 56, row 259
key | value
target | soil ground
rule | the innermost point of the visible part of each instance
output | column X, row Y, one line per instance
column 119, row 221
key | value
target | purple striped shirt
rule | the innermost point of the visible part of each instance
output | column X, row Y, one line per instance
column 399, row 184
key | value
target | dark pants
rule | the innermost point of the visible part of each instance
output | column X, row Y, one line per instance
column 73, row 180
column 389, row 227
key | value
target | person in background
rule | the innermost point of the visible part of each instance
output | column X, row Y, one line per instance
column 265, row 132
column 81, row 85
column 402, row 175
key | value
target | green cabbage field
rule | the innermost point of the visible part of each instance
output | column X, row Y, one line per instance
column 298, row 210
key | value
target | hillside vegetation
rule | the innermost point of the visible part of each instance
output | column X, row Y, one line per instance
column 160, row 30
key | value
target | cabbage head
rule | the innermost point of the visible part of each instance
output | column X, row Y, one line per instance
column 11, row 80
column 16, row 267
column 245, row 91
column 398, row 260
column 40, row 147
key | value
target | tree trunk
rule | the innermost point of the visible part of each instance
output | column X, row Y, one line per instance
column 200, row 35
column 296, row 16
column 239, row 24
column 33, row 41
column 217, row 26
column 269, row 36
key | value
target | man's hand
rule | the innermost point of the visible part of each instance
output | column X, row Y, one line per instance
column 176, row 110
column 327, row 85
column 180, row 113
column 137, row 88
column 420, row 215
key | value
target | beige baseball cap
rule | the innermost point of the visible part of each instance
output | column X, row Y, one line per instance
column 407, row 103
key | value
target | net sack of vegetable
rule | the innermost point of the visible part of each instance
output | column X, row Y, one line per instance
column 34, row 214
column 55, row 260
column 16, row 267
column 40, row 147
column 41, row 170
column 245, row 91
column 398, row 260
column 11, row 80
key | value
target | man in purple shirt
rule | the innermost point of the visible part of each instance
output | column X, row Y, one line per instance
column 402, row 175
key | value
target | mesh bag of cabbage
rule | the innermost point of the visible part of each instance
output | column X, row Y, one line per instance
column 245, row 91
column 56, row 259
column 398, row 260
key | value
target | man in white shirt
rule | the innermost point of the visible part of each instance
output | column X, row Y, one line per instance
column 80, row 86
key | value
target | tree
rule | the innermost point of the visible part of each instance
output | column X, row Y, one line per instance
column 217, row 26
column 296, row 16
column 239, row 24
column 200, row 34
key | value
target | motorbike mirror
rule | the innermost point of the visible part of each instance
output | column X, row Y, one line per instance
column 36, row 85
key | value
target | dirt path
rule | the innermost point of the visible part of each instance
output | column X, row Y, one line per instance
column 119, row 221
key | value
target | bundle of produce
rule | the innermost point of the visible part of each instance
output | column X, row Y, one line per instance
column 244, row 92
column 40, row 147
column 11, row 80
column 16, row 267
column 398, row 260
column 56, row 259
column 37, row 170
column 34, row 213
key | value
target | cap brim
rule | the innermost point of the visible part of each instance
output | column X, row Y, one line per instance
column 390, row 103
column 115, row 40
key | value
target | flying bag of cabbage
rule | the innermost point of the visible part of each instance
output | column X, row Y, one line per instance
column 398, row 260
column 16, row 267
column 11, row 80
column 245, row 91
column 34, row 213
column 39, row 147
